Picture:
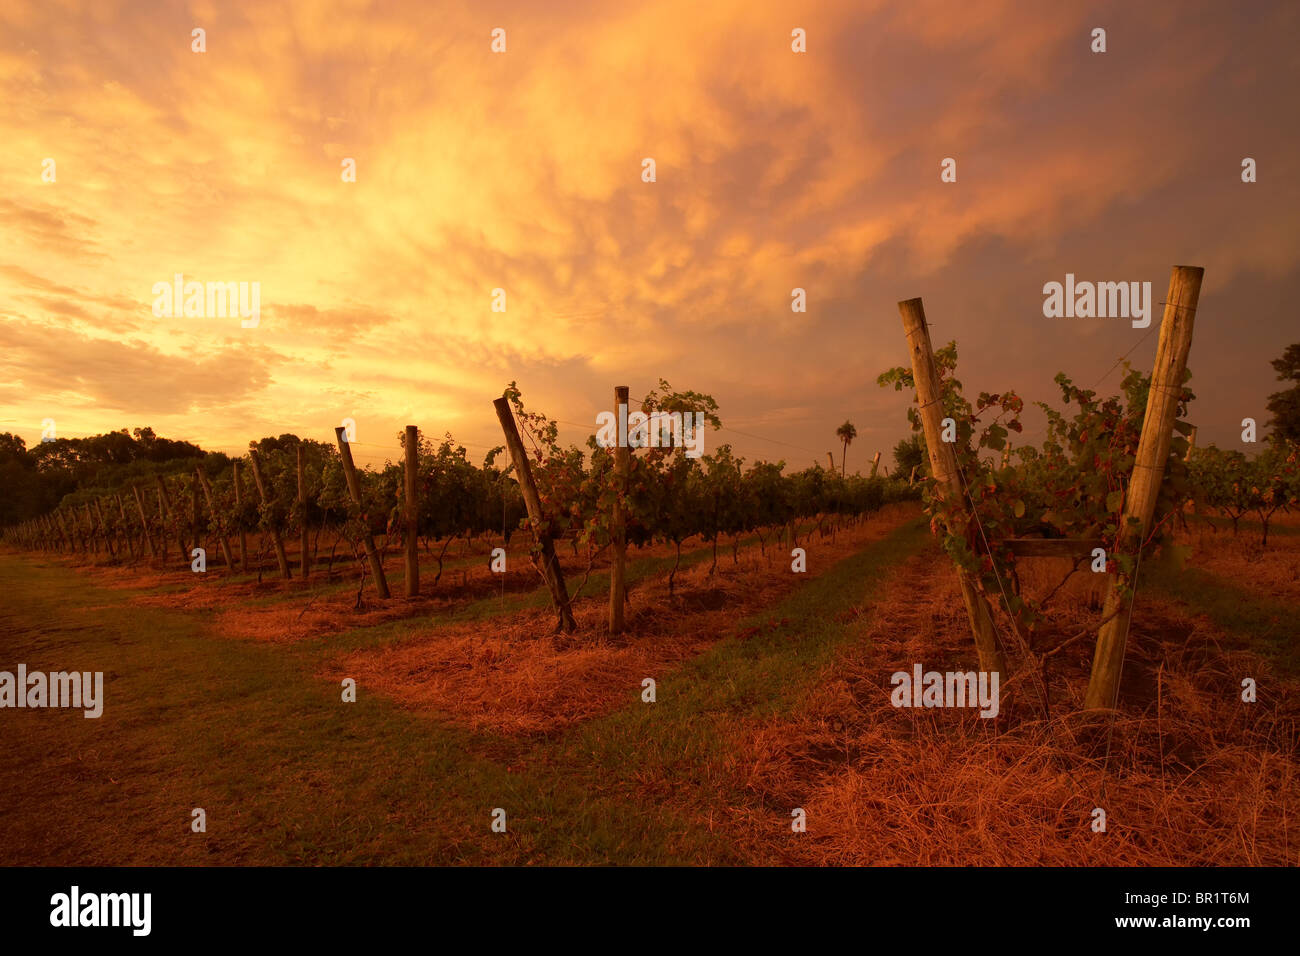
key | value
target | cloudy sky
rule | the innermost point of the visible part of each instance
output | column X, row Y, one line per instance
column 522, row 171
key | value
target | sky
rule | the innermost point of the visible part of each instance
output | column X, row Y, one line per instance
column 522, row 171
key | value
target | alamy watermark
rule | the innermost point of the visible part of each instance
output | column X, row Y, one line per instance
column 74, row 908
column 213, row 300
column 950, row 689
column 655, row 430
column 58, row 689
column 1100, row 300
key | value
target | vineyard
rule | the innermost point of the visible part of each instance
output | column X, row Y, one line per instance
column 248, row 514
column 1125, row 583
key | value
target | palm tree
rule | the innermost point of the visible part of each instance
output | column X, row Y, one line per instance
column 845, row 433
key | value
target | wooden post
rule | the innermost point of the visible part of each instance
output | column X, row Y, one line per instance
column 194, row 515
column 411, row 513
column 103, row 529
column 89, row 543
column 524, row 474
column 618, row 569
column 126, row 530
column 875, row 463
column 90, row 524
column 911, row 479
column 1148, row 472
column 304, row 540
column 67, row 534
column 212, row 510
column 943, row 468
column 281, row 558
column 830, row 457
column 165, row 509
column 354, row 486
column 239, row 500
column 144, row 522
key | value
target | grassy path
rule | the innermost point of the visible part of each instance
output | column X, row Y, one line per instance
column 288, row 774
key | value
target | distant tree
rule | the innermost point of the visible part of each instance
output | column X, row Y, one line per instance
column 12, row 445
column 845, row 433
column 909, row 453
column 34, row 480
column 1285, row 406
column 23, row 494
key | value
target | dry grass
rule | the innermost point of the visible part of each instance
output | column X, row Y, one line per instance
column 1271, row 572
column 1187, row 773
column 512, row 675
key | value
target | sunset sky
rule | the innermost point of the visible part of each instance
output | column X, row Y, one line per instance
column 522, row 170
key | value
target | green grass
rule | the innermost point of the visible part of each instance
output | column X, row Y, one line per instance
column 1268, row 626
column 289, row 774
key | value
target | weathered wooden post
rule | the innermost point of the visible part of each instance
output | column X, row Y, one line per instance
column 875, row 464
column 618, row 569
column 67, row 535
column 212, row 510
column 239, row 500
column 126, row 529
column 354, row 487
column 144, row 521
column 410, row 511
column 281, row 558
column 304, row 540
column 103, row 524
column 943, row 468
column 90, row 527
column 103, row 530
column 165, row 511
column 551, row 570
column 1148, row 472
column 195, row 517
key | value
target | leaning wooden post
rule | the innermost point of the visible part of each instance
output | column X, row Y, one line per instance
column 943, row 468
column 165, row 510
column 212, row 510
column 1148, row 472
column 524, row 474
column 195, row 521
column 875, row 463
column 67, row 534
column 354, row 487
column 144, row 521
column 90, row 528
column 239, row 500
column 304, row 540
column 103, row 529
column 126, row 529
column 281, row 558
column 103, row 522
column 618, row 569
column 410, row 511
